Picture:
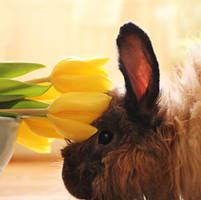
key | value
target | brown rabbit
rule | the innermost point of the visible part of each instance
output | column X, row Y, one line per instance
column 149, row 144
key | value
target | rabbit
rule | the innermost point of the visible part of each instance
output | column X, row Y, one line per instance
column 148, row 144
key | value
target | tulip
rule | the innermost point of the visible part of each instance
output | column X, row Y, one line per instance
column 41, row 126
column 79, row 74
column 36, row 143
column 71, row 116
column 35, row 132
column 48, row 96
column 72, row 113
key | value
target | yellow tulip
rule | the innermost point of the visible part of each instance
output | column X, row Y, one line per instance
column 72, row 113
column 72, row 129
column 35, row 132
column 85, row 79
column 33, row 142
column 81, row 74
column 41, row 126
column 48, row 96
column 81, row 65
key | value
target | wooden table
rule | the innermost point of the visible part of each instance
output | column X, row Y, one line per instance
column 33, row 180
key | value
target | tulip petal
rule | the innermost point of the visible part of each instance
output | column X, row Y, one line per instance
column 52, row 93
column 85, row 117
column 89, row 104
column 71, row 129
column 33, row 142
column 41, row 126
column 78, row 65
column 81, row 83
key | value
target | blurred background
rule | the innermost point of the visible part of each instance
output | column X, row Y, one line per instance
column 45, row 31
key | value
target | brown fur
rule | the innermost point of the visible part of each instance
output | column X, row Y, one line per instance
column 161, row 161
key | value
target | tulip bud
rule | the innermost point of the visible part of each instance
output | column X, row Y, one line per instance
column 72, row 113
column 48, row 96
column 72, row 129
column 81, row 74
column 34, row 142
column 41, row 126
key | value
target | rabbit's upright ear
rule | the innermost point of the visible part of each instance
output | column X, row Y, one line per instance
column 139, row 66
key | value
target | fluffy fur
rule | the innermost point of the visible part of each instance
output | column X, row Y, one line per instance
column 160, row 160
column 181, row 100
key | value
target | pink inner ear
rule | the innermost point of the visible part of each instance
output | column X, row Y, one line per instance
column 137, row 65
column 140, row 79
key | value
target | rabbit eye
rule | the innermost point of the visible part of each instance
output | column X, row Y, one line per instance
column 105, row 137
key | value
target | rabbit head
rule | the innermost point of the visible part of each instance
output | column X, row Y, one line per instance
column 128, row 158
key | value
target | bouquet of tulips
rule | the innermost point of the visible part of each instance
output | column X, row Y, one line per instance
column 62, row 105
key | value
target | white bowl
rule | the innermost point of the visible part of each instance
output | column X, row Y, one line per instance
column 8, row 135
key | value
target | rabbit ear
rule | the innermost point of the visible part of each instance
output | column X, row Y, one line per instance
column 139, row 66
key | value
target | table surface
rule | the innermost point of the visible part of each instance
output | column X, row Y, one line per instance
column 33, row 180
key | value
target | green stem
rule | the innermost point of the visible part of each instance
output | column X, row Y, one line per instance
column 39, row 80
column 31, row 112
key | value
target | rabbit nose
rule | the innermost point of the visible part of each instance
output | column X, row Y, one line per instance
column 75, row 178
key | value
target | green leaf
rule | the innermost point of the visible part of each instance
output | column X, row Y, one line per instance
column 5, row 114
column 13, row 87
column 15, row 69
column 23, row 103
column 5, row 98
